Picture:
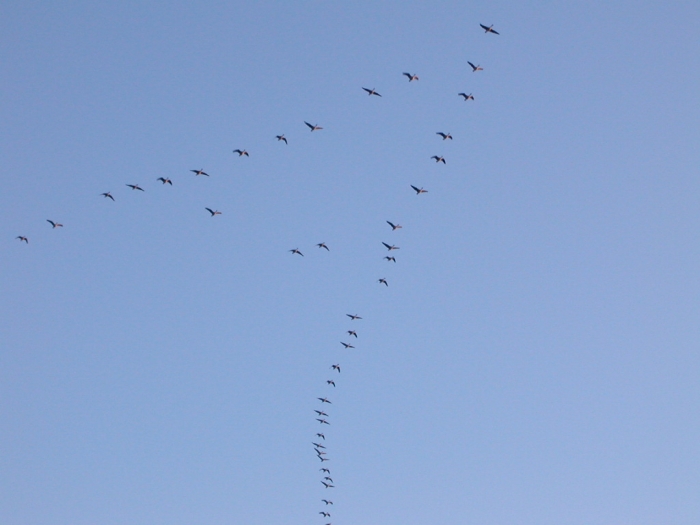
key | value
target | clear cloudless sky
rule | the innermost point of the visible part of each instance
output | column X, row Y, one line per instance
column 534, row 359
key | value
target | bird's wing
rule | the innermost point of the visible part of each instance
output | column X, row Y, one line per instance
column 308, row 125
column 473, row 66
column 412, row 186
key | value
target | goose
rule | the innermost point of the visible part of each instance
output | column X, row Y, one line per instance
column 213, row 212
column 107, row 195
column 390, row 259
column 324, row 400
column 22, row 238
column 325, row 514
column 321, row 413
column 439, row 159
column 353, row 333
column 489, row 29
column 165, row 181
column 391, row 246
column 241, row 152
column 54, row 224
column 383, row 281
column 322, row 421
column 327, row 502
column 444, row 136
column 371, row 92
column 346, row 345
column 323, row 245
column 330, row 382
column 135, row 187
column 394, row 227
column 281, row 137
column 321, row 436
column 410, row 77
column 475, row 68
column 200, row 172
column 418, row 190
column 353, row 317
column 317, row 445
column 327, row 485
column 313, row 127
column 466, row 97
column 327, row 472
column 296, row 250
column 335, row 367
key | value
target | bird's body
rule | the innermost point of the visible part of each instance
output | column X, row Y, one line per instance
column 327, row 502
column 22, row 238
column 353, row 317
column 321, row 436
column 325, row 514
column 323, row 245
column 371, row 92
column 466, row 97
column 390, row 259
column 165, row 181
column 335, row 367
column 322, row 421
column 411, row 77
column 444, row 136
column 321, row 413
column 200, row 172
column 281, row 137
column 394, row 227
column 296, row 250
column 327, row 485
column 352, row 333
column 438, row 159
column 107, row 195
column 54, row 224
column 346, row 345
column 213, row 212
column 383, row 281
column 418, row 190
column 324, row 400
column 324, row 470
column 475, row 68
column 241, row 152
column 330, row 382
column 489, row 29
column 317, row 445
column 135, row 187
column 391, row 247
column 313, row 127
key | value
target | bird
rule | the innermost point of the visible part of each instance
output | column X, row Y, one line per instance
column 475, row 68
column 323, row 459
column 135, row 187
column 54, row 224
column 489, row 29
column 312, row 127
column 107, row 195
column 321, row 413
column 327, row 485
column 22, row 238
column 199, row 172
column 165, row 181
column 322, row 421
column 418, row 190
column 411, row 77
column 466, row 97
column 327, row 478
column 330, row 382
column 213, row 212
column 319, row 452
column 383, row 281
column 353, row 333
column 317, row 445
column 391, row 246
column 371, row 92
column 282, row 137
column 444, row 136
column 296, row 250
column 321, row 436
column 323, row 245
column 336, row 367
column 324, row 400
column 439, row 159
column 241, row 152
column 327, row 502
column 326, row 471
column 346, row 345
column 394, row 226
column 353, row 317
column 391, row 259
column 325, row 514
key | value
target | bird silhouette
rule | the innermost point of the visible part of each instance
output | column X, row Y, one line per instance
column 353, row 317
column 394, row 226
column 371, row 92
column 418, row 190
column 281, row 137
column 327, row 502
column 336, row 367
column 325, row 514
column 410, row 77
column 313, row 127
column 353, row 333
column 165, row 181
column 200, row 172
column 324, row 400
column 330, row 382
column 444, row 136
column 54, row 224
column 439, row 159
column 466, row 97
column 321, row 413
column 323, row 245
column 321, row 436
column 346, row 345
column 317, row 445
column 213, row 212
column 390, row 259
column 22, row 238
column 296, row 250
column 107, row 195
column 391, row 246
column 241, row 152
column 475, row 68
column 326, row 471
column 135, row 187
column 489, row 29
column 322, row 421
column 327, row 485
column 383, row 281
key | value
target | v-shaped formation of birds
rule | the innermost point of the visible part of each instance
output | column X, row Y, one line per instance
column 319, row 441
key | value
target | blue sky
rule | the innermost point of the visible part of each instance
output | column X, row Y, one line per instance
column 534, row 358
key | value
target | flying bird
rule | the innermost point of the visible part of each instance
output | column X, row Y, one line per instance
column 322, row 421
column 165, row 181
column 327, row 485
column 281, row 137
column 394, row 226
column 323, row 459
column 323, row 245
column 199, row 172
column 107, row 195
column 489, row 29
column 324, row 400
column 330, row 382
column 321, row 413
column 317, row 445
column 353, row 333
column 411, row 78
column 391, row 259
column 22, row 238
column 390, row 246
column 327, row 502
column 327, row 472
column 353, row 317
column 371, row 92
column 213, row 212
column 54, row 224
column 325, row 514
column 321, row 436
column 336, row 367
column 418, row 190
column 383, row 281
column 444, row 136
column 241, row 152
column 312, row 127
column 439, row 159
column 475, row 68
column 466, row 97
column 296, row 250
column 319, row 453
column 135, row 187
column 346, row 345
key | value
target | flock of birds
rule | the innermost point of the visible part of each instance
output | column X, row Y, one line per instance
column 319, row 442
